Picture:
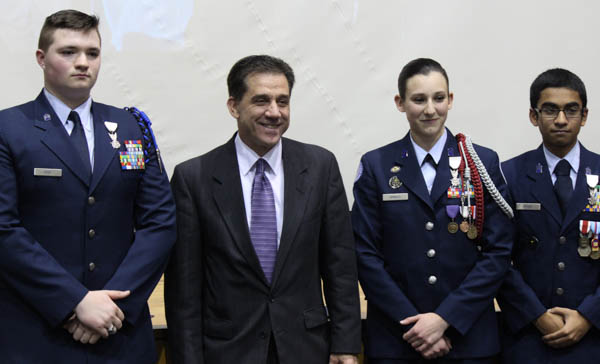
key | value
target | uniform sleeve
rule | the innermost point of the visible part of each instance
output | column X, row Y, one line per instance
column 24, row 264
column 155, row 234
column 463, row 306
column 380, row 288
column 183, row 277
column 338, row 267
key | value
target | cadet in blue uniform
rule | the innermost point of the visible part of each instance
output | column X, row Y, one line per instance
column 551, row 299
column 86, row 218
column 430, row 258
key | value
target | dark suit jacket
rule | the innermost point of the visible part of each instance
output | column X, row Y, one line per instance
column 545, row 239
column 53, row 228
column 220, row 308
column 394, row 267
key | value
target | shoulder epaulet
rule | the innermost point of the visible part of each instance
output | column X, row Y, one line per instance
column 150, row 146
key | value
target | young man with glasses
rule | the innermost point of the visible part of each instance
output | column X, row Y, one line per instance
column 550, row 300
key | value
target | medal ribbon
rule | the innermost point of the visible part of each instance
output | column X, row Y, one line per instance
column 452, row 211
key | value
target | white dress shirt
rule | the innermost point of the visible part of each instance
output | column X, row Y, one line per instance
column 572, row 157
column 85, row 114
column 247, row 158
column 427, row 169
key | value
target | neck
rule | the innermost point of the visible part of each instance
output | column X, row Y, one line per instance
column 560, row 151
column 426, row 143
column 72, row 101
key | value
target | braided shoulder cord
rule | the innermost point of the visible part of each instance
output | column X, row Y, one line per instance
column 150, row 146
column 477, row 186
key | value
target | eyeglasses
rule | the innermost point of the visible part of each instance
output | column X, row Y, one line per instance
column 551, row 113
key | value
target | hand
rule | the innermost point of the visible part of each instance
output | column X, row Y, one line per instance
column 81, row 333
column 428, row 328
column 549, row 322
column 343, row 359
column 98, row 312
column 576, row 326
column 439, row 349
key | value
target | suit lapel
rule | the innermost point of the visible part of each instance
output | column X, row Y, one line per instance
column 581, row 192
column 229, row 198
column 410, row 172
column 57, row 139
column 103, row 150
column 543, row 190
column 295, row 191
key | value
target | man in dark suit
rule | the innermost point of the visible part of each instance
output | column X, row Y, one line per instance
column 550, row 300
column 84, row 237
column 429, row 285
column 262, row 219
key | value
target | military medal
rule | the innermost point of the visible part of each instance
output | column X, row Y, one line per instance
column 472, row 232
column 464, row 212
column 454, row 163
column 452, row 211
column 595, row 254
column 584, row 249
column 395, row 182
column 112, row 133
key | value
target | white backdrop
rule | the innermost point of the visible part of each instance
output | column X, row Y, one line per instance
column 171, row 59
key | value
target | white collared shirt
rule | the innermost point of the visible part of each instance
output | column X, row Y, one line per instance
column 429, row 171
column 85, row 114
column 247, row 158
column 572, row 157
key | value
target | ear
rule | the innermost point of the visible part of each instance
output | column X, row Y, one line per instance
column 399, row 103
column 450, row 100
column 533, row 117
column 40, row 56
column 584, row 116
column 232, row 106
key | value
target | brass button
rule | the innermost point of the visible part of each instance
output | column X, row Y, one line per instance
column 429, row 226
column 432, row 279
column 91, row 200
column 91, row 233
column 92, row 266
column 431, row 253
column 561, row 266
column 560, row 291
column 562, row 240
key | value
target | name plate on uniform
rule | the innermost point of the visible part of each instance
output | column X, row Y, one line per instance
column 47, row 172
column 395, row 196
column 529, row 206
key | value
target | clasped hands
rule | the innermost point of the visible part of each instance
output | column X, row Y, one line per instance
column 96, row 316
column 562, row 327
column 427, row 335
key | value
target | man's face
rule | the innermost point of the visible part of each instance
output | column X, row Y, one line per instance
column 263, row 113
column 426, row 105
column 71, row 64
column 560, row 133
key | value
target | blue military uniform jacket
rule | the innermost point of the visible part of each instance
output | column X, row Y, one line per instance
column 62, row 235
column 409, row 263
column 548, row 270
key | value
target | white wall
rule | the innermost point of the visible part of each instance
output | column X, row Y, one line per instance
column 171, row 59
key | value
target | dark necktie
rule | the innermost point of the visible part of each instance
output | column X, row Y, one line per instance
column 79, row 141
column 263, row 223
column 429, row 158
column 563, row 187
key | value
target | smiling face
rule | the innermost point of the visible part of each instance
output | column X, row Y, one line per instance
column 263, row 113
column 559, row 134
column 426, row 105
column 71, row 65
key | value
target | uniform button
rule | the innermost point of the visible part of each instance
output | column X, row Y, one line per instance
column 560, row 291
column 91, row 233
column 479, row 248
column 92, row 266
column 429, row 226
column 91, row 200
column 432, row 279
column 561, row 266
column 431, row 253
column 562, row 240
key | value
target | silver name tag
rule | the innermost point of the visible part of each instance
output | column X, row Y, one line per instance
column 47, row 172
column 529, row 206
column 395, row 196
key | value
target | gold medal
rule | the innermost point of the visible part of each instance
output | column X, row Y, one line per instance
column 472, row 232
column 584, row 251
column 452, row 227
column 595, row 254
column 464, row 226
